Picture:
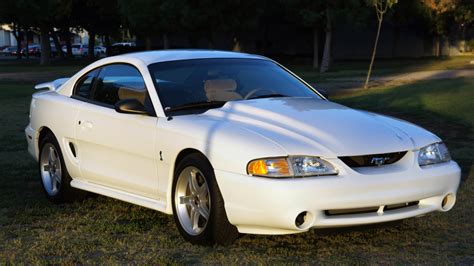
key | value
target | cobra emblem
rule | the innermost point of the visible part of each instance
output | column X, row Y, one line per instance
column 379, row 161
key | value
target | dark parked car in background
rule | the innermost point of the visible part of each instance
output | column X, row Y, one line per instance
column 123, row 48
column 9, row 51
column 35, row 50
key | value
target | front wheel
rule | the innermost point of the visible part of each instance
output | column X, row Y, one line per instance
column 198, row 206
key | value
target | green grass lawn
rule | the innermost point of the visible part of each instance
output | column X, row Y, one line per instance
column 32, row 65
column 382, row 67
column 102, row 230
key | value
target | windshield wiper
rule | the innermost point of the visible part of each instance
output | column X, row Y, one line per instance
column 275, row 95
column 196, row 105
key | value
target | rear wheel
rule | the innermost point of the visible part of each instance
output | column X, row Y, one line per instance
column 54, row 175
column 198, row 206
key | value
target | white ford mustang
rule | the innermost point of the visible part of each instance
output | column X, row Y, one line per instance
column 228, row 143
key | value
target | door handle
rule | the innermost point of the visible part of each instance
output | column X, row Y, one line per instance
column 85, row 124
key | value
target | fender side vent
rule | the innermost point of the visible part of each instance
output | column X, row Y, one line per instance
column 73, row 149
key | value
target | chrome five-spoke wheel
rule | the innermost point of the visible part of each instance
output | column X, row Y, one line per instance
column 193, row 202
column 50, row 168
column 198, row 206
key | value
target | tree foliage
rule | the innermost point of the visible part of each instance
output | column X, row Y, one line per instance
column 150, row 20
column 438, row 11
column 464, row 13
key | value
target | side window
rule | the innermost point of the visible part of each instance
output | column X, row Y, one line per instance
column 118, row 82
column 83, row 87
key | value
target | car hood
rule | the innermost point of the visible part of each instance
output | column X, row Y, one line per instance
column 309, row 126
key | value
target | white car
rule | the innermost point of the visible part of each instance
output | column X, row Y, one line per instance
column 130, row 44
column 79, row 49
column 231, row 143
column 100, row 51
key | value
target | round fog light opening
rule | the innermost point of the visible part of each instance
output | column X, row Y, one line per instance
column 448, row 202
column 300, row 219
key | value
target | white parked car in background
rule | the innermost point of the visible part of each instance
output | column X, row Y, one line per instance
column 130, row 44
column 100, row 51
column 79, row 49
column 231, row 142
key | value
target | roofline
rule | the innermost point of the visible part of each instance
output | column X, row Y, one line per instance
column 170, row 55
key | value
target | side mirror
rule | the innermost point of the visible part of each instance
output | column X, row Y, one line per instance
column 324, row 93
column 130, row 106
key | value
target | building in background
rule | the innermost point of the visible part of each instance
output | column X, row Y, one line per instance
column 6, row 36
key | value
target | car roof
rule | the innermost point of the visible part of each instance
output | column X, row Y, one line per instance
column 151, row 57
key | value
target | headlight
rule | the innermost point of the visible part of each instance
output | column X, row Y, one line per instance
column 293, row 166
column 433, row 154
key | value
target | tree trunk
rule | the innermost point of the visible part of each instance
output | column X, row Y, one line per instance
column 327, row 45
column 366, row 85
column 90, row 51
column 193, row 40
column 45, row 45
column 315, row 48
column 147, row 43
column 107, row 45
column 27, row 48
column 210, row 40
column 396, row 38
column 236, row 47
column 16, row 34
column 464, row 44
column 59, row 50
column 264, row 38
column 166, row 44
column 445, row 47
column 437, row 46
column 67, row 34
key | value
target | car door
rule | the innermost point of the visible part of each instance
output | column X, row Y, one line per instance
column 117, row 150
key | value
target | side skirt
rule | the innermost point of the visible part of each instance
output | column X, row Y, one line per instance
column 120, row 195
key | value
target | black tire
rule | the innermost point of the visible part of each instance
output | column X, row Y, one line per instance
column 65, row 193
column 218, row 230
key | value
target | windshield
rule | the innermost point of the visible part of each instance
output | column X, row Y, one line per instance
column 197, row 81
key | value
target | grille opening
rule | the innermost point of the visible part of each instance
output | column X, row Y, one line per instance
column 365, row 210
column 400, row 205
column 351, row 211
column 373, row 159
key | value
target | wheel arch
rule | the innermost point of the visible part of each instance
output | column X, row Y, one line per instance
column 41, row 133
column 185, row 152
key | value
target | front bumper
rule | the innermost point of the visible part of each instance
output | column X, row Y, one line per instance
column 270, row 206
